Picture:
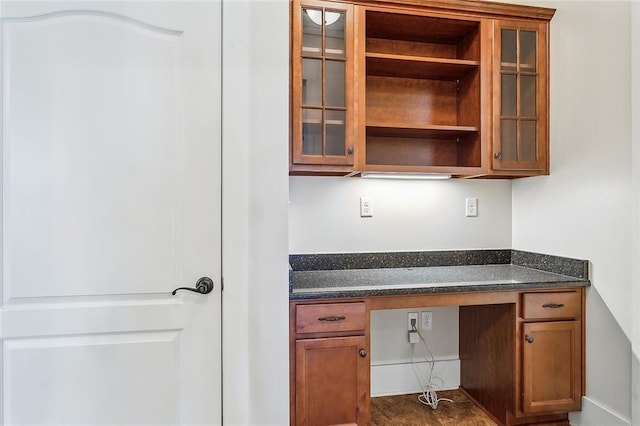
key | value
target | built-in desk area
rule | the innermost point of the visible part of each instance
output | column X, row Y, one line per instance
column 521, row 329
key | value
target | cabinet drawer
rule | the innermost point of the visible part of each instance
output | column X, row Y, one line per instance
column 565, row 304
column 330, row 317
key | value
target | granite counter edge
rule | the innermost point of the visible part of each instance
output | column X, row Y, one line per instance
column 336, row 292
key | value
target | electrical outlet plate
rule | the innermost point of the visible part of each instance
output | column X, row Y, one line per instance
column 412, row 316
column 427, row 320
column 366, row 207
column 471, row 207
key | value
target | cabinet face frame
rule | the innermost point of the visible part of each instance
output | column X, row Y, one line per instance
column 299, row 161
column 541, row 165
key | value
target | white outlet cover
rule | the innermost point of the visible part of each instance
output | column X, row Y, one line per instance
column 471, row 207
column 427, row 320
column 366, row 207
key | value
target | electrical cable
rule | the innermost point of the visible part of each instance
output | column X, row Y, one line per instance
column 428, row 396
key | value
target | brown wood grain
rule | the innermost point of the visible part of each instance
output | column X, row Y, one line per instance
column 418, row 28
column 551, row 366
column 412, row 101
column 331, row 317
column 487, row 356
column 420, row 67
column 550, row 305
column 332, row 385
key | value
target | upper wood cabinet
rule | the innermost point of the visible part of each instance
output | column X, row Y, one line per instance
column 520, row 101
column 458, row 87
column 322, row 97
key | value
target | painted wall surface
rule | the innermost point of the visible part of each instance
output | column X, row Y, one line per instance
column 255, row 191
column 324, row 215
column 398, row 367
column 635, row 171
column 583, row 209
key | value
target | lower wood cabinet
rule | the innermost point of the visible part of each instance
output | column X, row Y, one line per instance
column 330, row 364
column 551, row 373
column 332, row 381
column 551, row 350
column 521, row 355
column 523, row 363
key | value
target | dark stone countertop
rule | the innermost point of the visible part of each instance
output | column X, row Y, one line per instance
column 356, row 275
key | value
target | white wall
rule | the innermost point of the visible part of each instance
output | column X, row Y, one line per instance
column 583, row 209
column 255, row 187
column 392, row 372
column 635, row 273
column 324, row 215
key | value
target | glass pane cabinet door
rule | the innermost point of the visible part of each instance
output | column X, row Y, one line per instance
column 520, row 103
column 322, row 77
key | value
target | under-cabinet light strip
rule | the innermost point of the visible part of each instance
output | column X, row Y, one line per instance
column 405, row 176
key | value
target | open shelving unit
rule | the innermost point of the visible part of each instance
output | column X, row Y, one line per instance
column 422, row 93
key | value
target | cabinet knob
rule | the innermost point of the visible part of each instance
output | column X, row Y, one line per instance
column 350, row 150
column 363, row 353
column 529, row 339
column 497, row 155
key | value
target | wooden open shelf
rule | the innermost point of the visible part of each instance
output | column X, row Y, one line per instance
column 389, row 65
column 422, row 93
column 431, row 131
column 426, row 148
column 417, row 28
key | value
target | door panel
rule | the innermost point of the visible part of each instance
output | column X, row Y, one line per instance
column 111, row 199
column 58, row 376
column 92, row 154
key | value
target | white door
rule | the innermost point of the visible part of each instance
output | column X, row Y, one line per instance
column 110, row 200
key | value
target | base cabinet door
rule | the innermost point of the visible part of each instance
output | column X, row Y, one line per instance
column 332, row 381
column 551, row 367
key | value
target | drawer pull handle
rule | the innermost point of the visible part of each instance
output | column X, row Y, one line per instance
column 553, row 305
column 332, row 319
column 363, row 353
column 529, row 339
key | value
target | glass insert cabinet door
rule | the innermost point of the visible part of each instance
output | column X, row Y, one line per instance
column 322, row 76
column 520, row 130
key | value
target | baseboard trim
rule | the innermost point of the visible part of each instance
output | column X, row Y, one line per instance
column 594, row 414
column 400, row 379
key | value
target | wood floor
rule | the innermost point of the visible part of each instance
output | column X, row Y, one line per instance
column 405, row 410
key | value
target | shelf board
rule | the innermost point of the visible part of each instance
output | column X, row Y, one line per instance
column 419, row 131
column 402, row 26
column 388, row 65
